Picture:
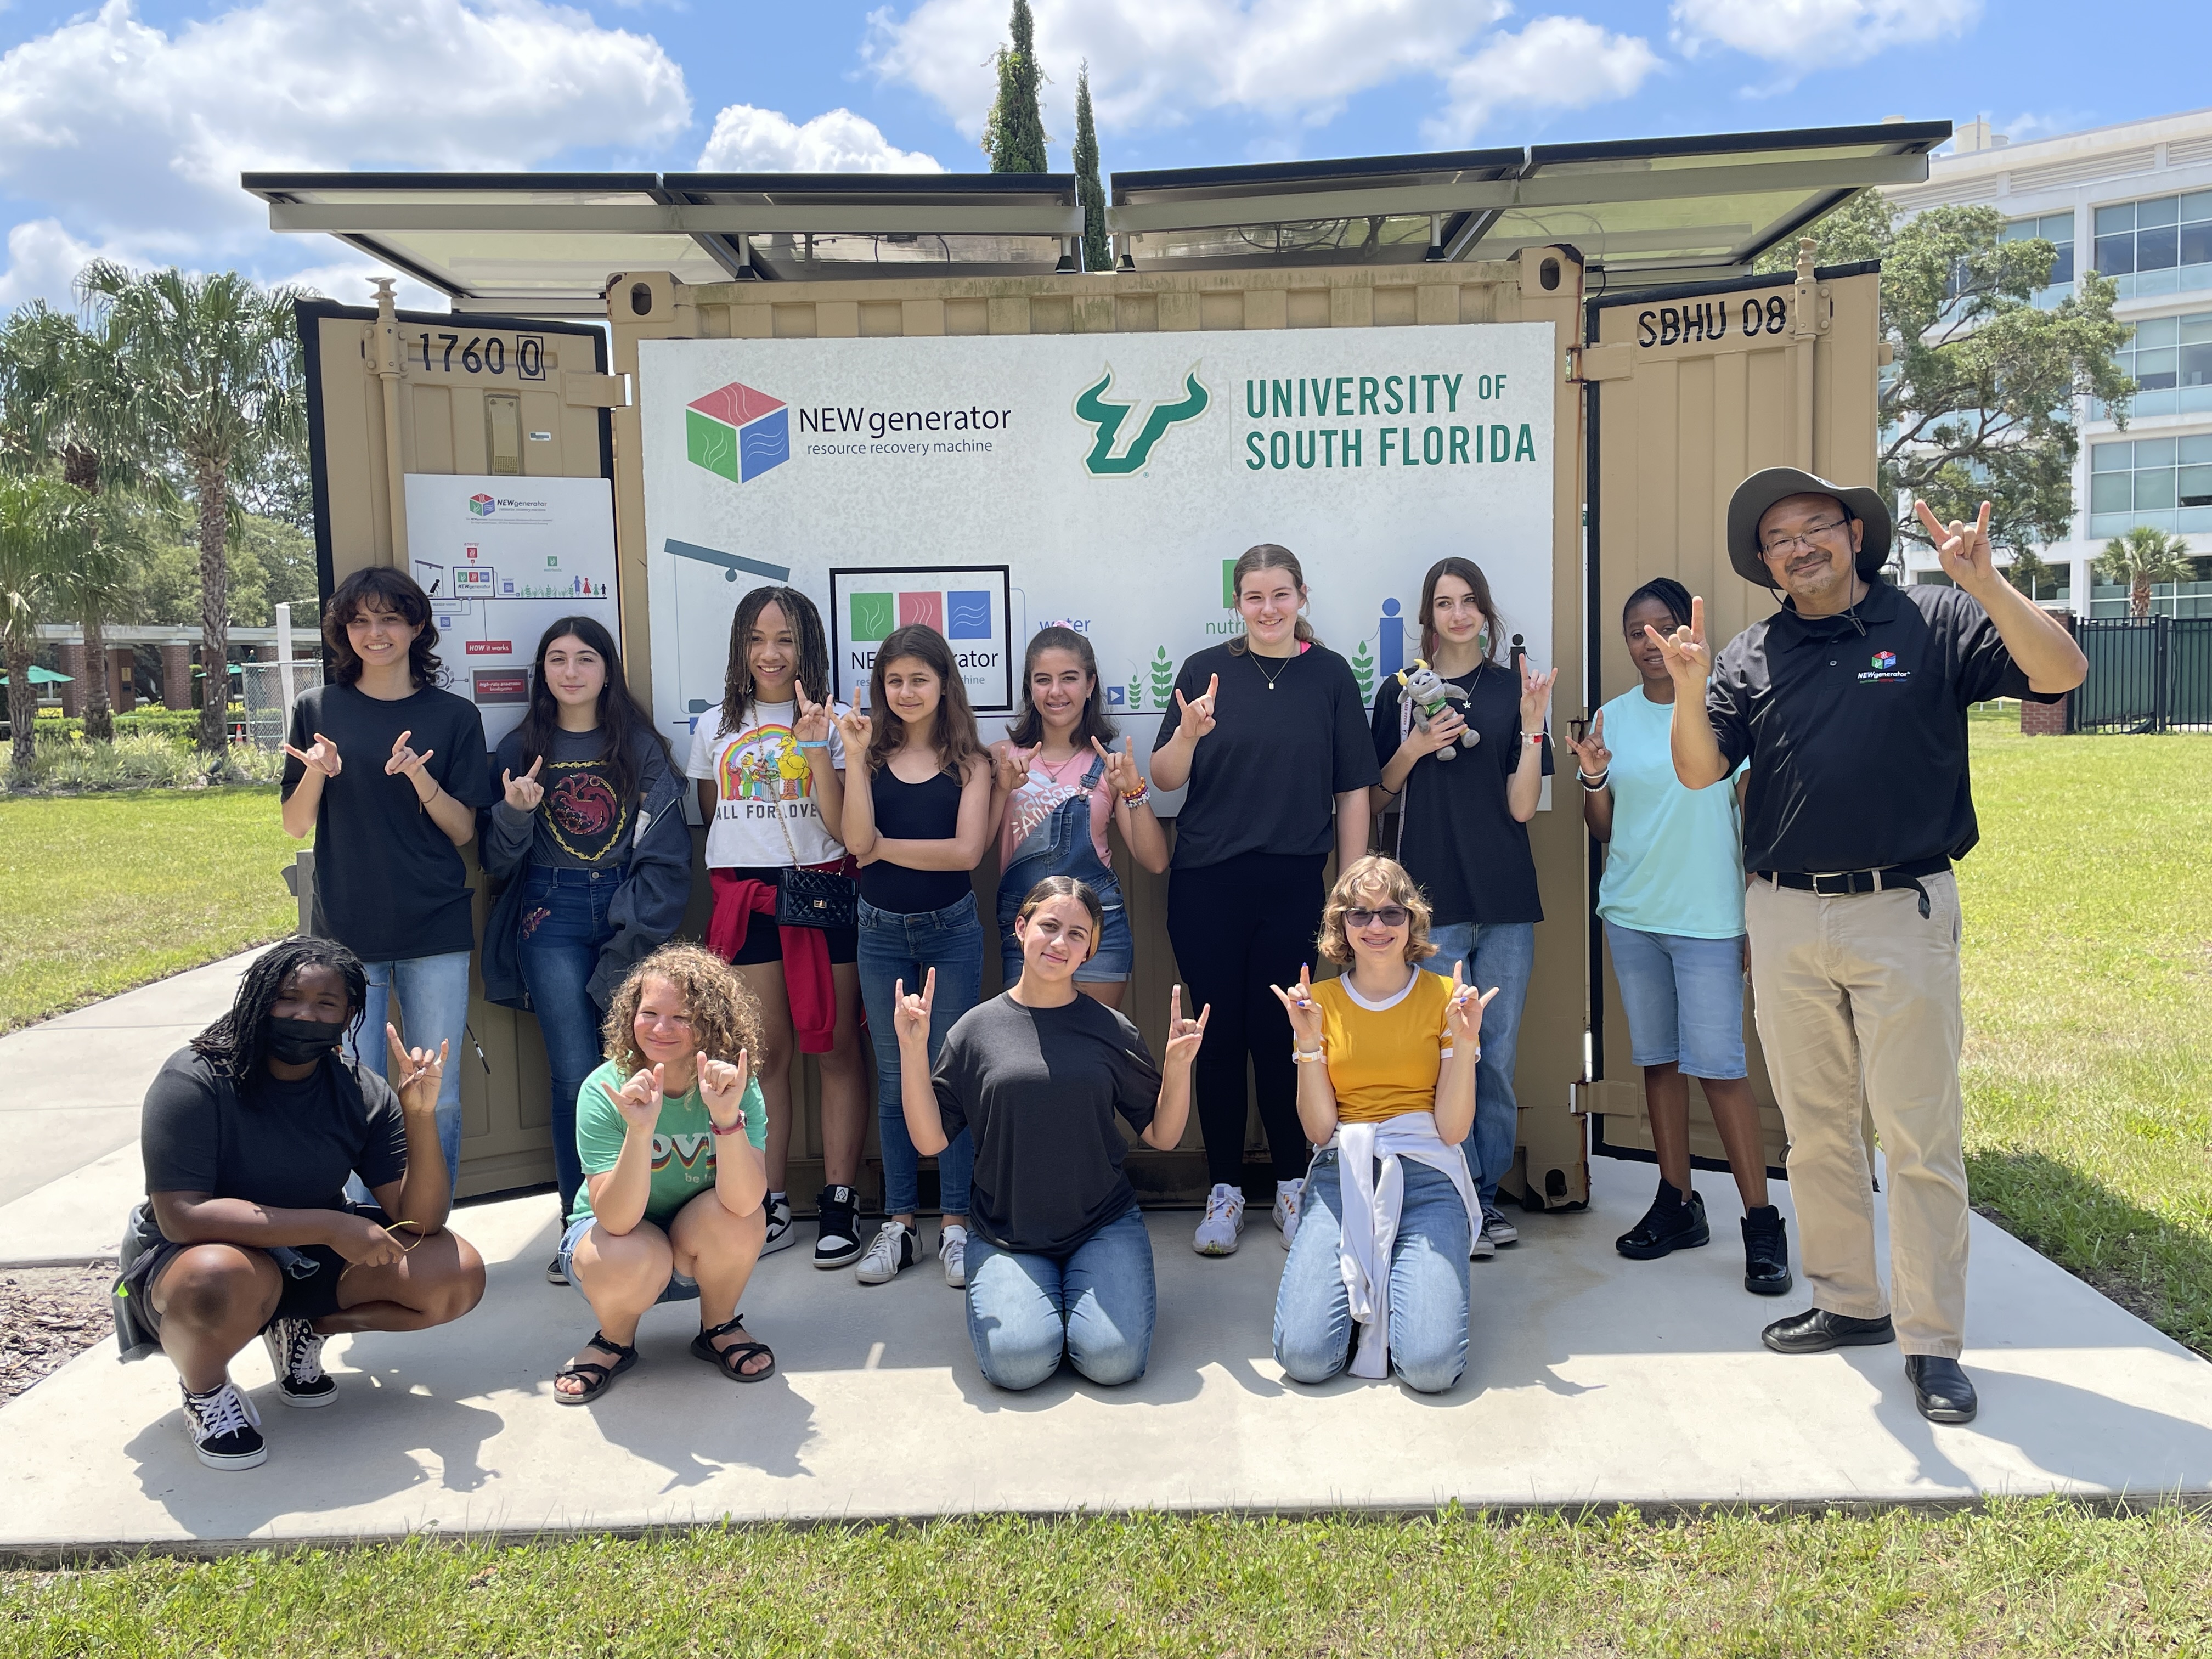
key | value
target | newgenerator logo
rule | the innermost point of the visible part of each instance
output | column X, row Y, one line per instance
column 737, row 431
column 482, row 506
column 959, row 614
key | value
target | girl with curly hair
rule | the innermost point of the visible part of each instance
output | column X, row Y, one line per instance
column 669, row 1131
column 1386, row 1057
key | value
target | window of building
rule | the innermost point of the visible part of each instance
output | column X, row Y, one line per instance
column 2057, row 229
column 2163, row 482
column 2171, row 359
column 2161, row 246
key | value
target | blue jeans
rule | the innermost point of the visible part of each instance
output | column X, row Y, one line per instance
column 434, row 998
column 1684, row 998
column 563, row 928
column 1428, row 1284
column 1503, row 954
column 1095, row 1305
column 896, row 947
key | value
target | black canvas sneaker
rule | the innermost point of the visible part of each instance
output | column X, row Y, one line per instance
column 224, row 1428
column 295, row 1354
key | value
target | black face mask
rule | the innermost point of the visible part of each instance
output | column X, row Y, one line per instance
column 298, row 1042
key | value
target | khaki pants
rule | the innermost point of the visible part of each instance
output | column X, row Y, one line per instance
column 1857, row 1004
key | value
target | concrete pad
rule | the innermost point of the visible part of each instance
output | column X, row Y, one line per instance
column 1592, row 1380
column 58, row 1115
column 77, row 1218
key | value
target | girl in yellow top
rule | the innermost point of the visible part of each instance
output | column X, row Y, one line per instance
column 1386, row 1061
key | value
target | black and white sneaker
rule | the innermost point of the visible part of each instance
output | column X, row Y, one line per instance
column 780, row 1235
column 891, row 1254
column 554, row 1274
column 837, row 1227
column 295, row 1354
column 224, row 1428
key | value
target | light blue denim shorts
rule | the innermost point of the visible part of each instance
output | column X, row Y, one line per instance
column 1684, row 1000
column 678, row 1288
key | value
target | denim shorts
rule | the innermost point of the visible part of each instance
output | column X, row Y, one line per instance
column 1684, row 1000
column 678, row 1288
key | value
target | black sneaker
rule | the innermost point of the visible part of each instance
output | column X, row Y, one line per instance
column 554, row 1272
column 1672, row 1222
column 780, row 1235
column 295, row 1354
column 837, row 1227
column 1765, row 1252
column 224, row 1428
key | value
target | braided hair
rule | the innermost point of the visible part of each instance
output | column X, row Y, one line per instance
column 233, row 1045
column 1664, row 591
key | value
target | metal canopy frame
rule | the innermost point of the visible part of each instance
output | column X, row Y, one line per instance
column 1642, row 211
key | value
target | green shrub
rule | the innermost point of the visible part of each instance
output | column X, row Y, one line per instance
column 68, row 765
column 175, row 723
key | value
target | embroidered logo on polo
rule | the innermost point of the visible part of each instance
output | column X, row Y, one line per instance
column 1885, row 668
column 693, row 1153
column 1885, row 659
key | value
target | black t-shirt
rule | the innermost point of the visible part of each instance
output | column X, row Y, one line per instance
column 1040, row 1088
column 583, row 823
column 1857, row 730
column 1266, row 778
column 289, row 1146
column 1459, row 838
column 390, row 883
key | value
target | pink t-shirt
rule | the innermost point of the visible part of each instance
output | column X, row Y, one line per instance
column 1030, row 807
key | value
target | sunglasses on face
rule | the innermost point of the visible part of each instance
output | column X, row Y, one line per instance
column 1390, row 915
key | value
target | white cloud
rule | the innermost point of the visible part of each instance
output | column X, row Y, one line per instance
column 346, row 281
column 1805, row 34
column 750, row 140
column 1293, row 60
column 43, row 261
column 139, row 131
column 1555, row 63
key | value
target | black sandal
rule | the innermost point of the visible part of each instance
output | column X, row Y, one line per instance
column 730, row 1360
column 598, row 1378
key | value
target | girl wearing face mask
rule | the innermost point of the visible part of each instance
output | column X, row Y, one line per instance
column 918, row 826
column 1060, row 781
column 1463, row 835
column 1059, row 1265
column 249, row 1134
column 387, row 771
column 1268, row 732
column 1386, row 1055
column 770, row 766
column 590, row 843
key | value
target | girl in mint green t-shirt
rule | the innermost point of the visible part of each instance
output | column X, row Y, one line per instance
column 668, row 1132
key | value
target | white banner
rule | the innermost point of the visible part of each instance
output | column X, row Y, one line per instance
column 1116, row 478
column 502, row 558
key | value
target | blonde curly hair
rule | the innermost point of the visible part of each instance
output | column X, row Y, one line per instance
column 1372, row 882
column 724, row 1016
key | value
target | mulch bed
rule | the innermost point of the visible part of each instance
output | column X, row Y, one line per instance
column 49, row 1315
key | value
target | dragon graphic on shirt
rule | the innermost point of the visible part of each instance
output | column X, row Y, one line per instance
column 585, row 815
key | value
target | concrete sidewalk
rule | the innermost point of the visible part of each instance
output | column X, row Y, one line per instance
column 1592, row 1380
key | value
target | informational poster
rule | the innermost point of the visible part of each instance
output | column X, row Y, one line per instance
column 1106, row 483
column 503, row 559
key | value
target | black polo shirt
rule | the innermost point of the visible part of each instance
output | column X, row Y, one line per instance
column 1857, row 729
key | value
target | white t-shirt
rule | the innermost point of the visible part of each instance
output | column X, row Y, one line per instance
column 759, row 774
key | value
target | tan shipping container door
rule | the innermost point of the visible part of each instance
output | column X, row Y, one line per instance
column 1691, row 391
column 391, row 392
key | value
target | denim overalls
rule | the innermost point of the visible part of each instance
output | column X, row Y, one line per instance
column 1060, row 846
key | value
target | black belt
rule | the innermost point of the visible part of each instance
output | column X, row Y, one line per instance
column 1840, row 883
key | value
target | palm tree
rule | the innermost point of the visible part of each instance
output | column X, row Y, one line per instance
column 46, row 530
column 215, row 367
column 68, row 399
column 2145, row 555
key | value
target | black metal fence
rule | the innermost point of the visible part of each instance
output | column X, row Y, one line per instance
column 2146, row 674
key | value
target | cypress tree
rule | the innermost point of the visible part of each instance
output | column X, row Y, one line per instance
column 1097, row 252
column 1014, row 137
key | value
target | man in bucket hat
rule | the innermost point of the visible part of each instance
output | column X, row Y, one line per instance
column 1850, row 703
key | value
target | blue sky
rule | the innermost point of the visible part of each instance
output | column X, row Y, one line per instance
column 123, row 127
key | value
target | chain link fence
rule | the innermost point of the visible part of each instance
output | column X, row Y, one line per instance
column 266, row 691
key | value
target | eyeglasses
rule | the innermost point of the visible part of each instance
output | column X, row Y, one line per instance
column 1782, row 544
column 1390, row 915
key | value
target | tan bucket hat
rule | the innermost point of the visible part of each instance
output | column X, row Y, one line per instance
column 1762, row 489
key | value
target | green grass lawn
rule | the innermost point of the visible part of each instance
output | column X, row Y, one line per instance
column 108, row 892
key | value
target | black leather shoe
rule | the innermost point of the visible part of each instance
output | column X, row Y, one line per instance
column 1817, row 1330
column 1672, row 1222
column 1941, row 1389
column 1765, row 1252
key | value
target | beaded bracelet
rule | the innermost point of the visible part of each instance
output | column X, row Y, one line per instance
column 1142, row 797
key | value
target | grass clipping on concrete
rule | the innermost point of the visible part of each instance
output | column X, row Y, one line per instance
column 2035, row 1577
column 105, row 893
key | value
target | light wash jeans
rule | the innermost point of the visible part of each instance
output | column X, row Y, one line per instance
column 1428, row 1283
column 1095, row 1305
column 896, row 948
column 563, row 928
column 1503, row 954
column 434, row 998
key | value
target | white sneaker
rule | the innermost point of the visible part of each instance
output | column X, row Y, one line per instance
column 1288, row 1196
column 1483, row 1249
column 1501, row 1230
column 295, row 1354
column 953, row 1251
column 891, row 1253
column 1224, row 1220
column 780, row 1236
column 224, row 1428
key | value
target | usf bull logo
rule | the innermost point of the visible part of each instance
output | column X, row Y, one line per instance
column 1107, row 419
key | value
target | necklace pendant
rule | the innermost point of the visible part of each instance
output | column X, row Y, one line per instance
column 1271, row 685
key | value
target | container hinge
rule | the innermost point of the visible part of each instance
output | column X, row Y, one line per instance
column 594, row 391
column 1599, row 362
